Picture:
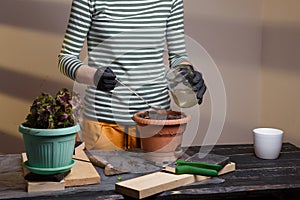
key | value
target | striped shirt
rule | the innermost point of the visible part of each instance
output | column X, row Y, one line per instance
column 130, row 37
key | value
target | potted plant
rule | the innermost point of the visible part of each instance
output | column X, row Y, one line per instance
column 161, row 133
column 49, row 133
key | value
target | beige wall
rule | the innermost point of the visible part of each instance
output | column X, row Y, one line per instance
column 31, row 33
column 280, row 94
column 230, row 31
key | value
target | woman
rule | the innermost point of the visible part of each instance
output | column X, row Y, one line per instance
column 126, row 40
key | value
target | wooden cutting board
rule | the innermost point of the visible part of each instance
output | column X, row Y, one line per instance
column 83, row 173
column 154, row 183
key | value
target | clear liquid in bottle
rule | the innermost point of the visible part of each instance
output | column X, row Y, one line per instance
column 184, row 98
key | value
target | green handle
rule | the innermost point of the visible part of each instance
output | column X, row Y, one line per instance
column 185, row 169
column 200, row 165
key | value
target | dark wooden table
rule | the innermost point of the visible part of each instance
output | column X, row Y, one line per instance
column 254, row 178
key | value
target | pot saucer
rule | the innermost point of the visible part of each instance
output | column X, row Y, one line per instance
column 47, row 171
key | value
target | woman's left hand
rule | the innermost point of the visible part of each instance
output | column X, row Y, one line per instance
column 198, row 86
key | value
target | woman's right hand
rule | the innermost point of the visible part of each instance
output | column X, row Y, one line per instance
column 105, row 79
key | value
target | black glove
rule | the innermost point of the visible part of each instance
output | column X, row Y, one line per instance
column 198, row 86
column 195, row 79
column 105, row 79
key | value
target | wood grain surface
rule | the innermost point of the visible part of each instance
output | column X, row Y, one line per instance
column 253, row 178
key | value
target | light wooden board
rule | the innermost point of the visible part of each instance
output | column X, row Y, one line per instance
column 83, row 173
column 45, row 186
column 151, row 184
column 41, row 185
column 154, row 183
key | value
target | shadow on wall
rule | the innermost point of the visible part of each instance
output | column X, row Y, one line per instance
column 25, row 86
column 48, row 16
column 11, row 144
column 30, row 14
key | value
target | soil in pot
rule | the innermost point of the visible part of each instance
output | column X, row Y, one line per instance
column 161, row 131
column 162, row 115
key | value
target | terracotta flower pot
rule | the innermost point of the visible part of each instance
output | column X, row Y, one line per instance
column 161, row 131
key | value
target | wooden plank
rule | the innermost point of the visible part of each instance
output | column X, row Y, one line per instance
column 80, row 146
column 151, row 184
column 83, row 173
column 41, row 186
column 230, row 167
column 154, row 183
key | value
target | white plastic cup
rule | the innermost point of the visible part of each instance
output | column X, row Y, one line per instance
column 267, row 142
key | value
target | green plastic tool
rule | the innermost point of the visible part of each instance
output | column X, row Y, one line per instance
column 199, row 168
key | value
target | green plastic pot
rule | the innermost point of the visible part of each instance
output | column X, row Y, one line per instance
column 49, row 151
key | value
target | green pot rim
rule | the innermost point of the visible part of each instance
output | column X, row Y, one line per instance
column 49, row 132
